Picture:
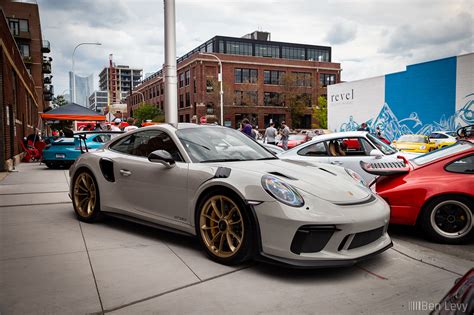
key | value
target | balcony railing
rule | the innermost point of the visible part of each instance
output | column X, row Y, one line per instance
column 46, row 67
column 46, row 46
column 27, row 59
column 47, row 80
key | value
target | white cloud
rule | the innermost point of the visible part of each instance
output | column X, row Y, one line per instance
column 368, row 37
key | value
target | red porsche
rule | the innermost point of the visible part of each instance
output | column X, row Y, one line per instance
column 434, row 190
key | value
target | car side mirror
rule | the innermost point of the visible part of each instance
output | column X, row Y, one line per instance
column 162, row 157
column 376, row 153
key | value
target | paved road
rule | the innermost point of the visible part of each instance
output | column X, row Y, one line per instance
column 52, row 263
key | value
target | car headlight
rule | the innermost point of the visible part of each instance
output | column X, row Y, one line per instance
column 282, row 191
column 422, row 147
column 356, row 177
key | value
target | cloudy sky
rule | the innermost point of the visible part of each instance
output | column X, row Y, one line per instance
column 368, row 37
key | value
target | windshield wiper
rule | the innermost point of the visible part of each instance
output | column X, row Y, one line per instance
column 267, row 158
column 222, row 160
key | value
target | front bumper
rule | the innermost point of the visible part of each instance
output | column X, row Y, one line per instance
column 322, row 234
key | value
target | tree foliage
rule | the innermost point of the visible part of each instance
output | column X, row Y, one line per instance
column 59, row 100
column 296, row 97
column 148, row 112
column 320, row 113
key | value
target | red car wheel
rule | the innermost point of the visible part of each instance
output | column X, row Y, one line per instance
column 448, row 219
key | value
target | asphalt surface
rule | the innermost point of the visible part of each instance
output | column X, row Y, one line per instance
column 52, row 263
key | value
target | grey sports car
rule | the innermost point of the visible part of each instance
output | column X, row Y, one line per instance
column 238, row 198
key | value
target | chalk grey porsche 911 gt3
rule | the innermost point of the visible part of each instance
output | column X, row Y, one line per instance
column 238, row 198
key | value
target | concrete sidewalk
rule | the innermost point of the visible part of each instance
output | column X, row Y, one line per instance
column 52, row 263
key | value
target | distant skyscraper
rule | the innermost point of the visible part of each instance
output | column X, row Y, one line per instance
column 84, row 88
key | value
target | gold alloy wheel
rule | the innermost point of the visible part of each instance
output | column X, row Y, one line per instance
column 221, row 226
column 85, row 194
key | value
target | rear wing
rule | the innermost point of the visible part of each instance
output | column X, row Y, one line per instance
column 385, row 168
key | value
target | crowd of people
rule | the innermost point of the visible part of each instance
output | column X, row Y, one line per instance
column 271, row 133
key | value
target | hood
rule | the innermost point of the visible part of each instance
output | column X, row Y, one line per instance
column 325, row 181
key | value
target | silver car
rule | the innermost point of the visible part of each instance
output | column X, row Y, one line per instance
column 346, row 149
column 239, row 199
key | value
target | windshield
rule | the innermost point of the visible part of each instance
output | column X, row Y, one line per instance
column 217, row 144
column 441, row 153
column 297, row 137
column 452, row 134
column 412, row 138
column 382, row 146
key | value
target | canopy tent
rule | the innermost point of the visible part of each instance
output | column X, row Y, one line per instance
column 72, row 111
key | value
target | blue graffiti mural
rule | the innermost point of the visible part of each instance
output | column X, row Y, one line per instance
column 392, row 127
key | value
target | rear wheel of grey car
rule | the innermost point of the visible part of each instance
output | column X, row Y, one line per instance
column 224, row 228
column 449, row 219
column 85, row 197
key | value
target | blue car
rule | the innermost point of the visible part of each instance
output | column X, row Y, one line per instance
column 64, row 151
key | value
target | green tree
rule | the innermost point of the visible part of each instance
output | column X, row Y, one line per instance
column 59, row 100
column 320, row 113
column 148, row 111
column 296, row 97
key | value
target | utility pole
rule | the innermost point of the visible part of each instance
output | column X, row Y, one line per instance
column 170, row 72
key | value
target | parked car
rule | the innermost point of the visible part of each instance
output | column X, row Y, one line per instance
column 63, row 152
column 460, row 298
column 295, row 140
column 443, row 138
column 434, row 190
column 346, row 149
column 415, row 143
column 240, row 200
column 273, row 148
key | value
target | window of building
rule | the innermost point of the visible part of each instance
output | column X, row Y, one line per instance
column 221, row 46
column 318, row 55
column 327, row 79
column 239, row 48
column 162, row 89
column 270, row 51
column 292, row 53
column 245, row 75
column 14, row 25
column 272, row 76
column 271, row 99
column 187, row 77
column 209, row 47
column 243, row 98
column 194, row 86
column 303, row 78
column 188, row 99
column 209, row 85
column 181, row 80
column 181, row 101
column 306, row 98
column 187, row 118
column 181, row 117
column 24, row 50
column 24, row 26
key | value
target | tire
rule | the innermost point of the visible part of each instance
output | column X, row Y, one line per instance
column 224, row 228
column 448, row 219
column 85, row 198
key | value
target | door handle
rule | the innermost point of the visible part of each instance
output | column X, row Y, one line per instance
column 125, row 172
column 336, row 163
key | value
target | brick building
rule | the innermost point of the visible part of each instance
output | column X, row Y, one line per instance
column 19, row 101
column 254, row 68
column 24, row 22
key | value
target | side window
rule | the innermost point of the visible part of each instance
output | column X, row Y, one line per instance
column 143, row 143
column 315, row 149
column 349, row 147
column 434, row 136
column 464, row 165
column 441, row 136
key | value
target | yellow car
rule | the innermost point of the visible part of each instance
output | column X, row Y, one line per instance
column 414, row 143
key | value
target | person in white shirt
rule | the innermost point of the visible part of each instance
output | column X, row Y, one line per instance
column 270, row 134
column 115, row 127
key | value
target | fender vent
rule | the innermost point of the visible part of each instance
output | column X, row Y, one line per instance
column 107, row 169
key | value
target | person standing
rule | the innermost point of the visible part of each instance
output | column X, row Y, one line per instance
column 115, row 126
column 285, row 133
column 246, row 127
column 363, row 127
column 270, row 134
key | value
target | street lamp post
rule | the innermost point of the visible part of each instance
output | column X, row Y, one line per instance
column 73, row 90
column 219, row 78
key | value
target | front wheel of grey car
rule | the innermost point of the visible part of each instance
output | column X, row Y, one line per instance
column 85, row 197
column 224, row 228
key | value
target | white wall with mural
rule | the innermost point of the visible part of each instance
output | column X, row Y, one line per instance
column 429, row 96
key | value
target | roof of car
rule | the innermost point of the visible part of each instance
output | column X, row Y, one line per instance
column 183, row 126
column 340, row 135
